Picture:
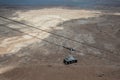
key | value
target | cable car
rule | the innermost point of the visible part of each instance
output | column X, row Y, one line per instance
column 69, row 60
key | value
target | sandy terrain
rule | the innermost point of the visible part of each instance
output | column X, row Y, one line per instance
column 31, row 43
column 46, row 19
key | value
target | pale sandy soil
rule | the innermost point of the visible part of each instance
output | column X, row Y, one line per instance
column 46, row 19
column 25, row 54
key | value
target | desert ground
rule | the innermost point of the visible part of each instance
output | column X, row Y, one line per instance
column 32, row 40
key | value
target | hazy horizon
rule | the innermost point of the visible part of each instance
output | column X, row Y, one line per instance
column 78, row 3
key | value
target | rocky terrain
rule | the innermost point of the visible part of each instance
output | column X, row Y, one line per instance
column 31, row 43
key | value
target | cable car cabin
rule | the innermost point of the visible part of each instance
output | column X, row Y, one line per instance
column 69, row 60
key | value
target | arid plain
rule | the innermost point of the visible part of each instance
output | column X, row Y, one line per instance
column 31, row 41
